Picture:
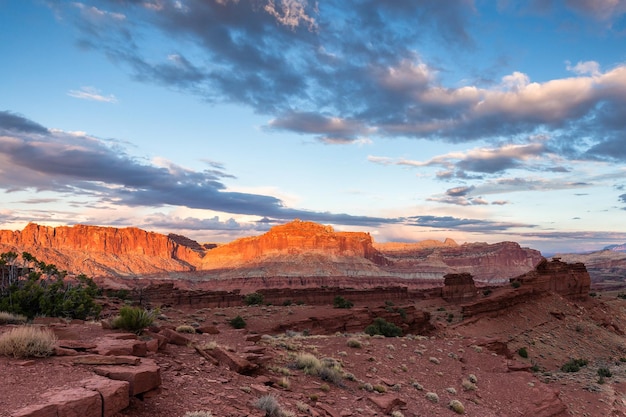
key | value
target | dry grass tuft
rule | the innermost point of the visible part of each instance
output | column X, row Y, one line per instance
column 27, row 341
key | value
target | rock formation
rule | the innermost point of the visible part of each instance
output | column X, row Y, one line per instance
column 458, row 287
column 569, row 280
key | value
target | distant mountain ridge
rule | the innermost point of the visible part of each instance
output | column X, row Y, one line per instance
column 617, row 248
column 295, row 249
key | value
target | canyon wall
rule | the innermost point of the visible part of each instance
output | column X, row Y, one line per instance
column 294, row 250
column 101, row 251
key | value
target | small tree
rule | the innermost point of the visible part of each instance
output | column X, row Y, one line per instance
column 254, row 298
column 340, row 302
column 383, row 327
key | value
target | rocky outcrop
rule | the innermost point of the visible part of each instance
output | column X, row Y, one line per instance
column 458, row 287
column 569, row 280
column 101, row 251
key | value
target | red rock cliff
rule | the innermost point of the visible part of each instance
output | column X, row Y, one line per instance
column 568, row 280
column 99, row 251
column 307, row 241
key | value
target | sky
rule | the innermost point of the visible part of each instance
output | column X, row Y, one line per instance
column 475, row 120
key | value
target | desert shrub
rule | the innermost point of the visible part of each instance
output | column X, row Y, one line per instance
column 472, row 378
column 354, row 343
column 622, row 296
column 457, row 406
column 468, row 385
column 122, row 295
column 380, row 326
column 487, row 292
column 27, row 341
column 397, row 413
column 10, row 318
column 134, row 319
column 325, row 387
column 573, row 365
column 254, row 298
column 592, row 294
column 516, row 284
column 450, row 317
column 340, row 302
column 380, row 388
column 522, row 352
column 185, row 328
column 309, row 363
column 604, row 373
column 284, row 383
column 432, row 397
column 269, row 404
column 238, row 322
column 198, row 414
column 330, row 374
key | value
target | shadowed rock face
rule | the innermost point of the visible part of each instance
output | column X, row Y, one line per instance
column 458, row 287
column 569, row 280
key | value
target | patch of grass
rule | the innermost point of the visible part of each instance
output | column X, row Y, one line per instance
column 134, row 319
column 522, row 352
column 380, row 388
column 237, row 322
column 27, row 341
column 354, row 343
column 309, row 363
column 185, row 328
column 10, row 318
column 269, row 404
column 573, row 365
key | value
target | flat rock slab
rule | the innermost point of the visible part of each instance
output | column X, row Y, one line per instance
column 105, row 360
column 74, row 402
column 387, row 403
column 142, row 378
column 120, row 347
column 75, row 344
column 114, row 393
column 175, row 338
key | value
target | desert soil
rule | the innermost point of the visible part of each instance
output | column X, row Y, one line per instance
column 406, row 368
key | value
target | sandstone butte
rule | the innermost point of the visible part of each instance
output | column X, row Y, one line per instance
column 296, row 249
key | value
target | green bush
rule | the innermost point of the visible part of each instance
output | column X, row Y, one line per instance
column 134, row 319
column 254, row 298
column 604, row 373
column 516, row 284
column 340, row 302
column 40, row 289
column 522, row 352
column 573, row 365
column 487, row 292
column 380, row 326
column 238, row 322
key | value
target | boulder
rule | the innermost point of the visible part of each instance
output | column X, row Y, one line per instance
column 233, row 361
column 175, row 338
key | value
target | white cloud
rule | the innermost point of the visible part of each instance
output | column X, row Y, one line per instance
column 584, row 68
column 93, row 94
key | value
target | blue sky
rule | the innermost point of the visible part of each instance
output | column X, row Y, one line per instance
column 417, row 119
